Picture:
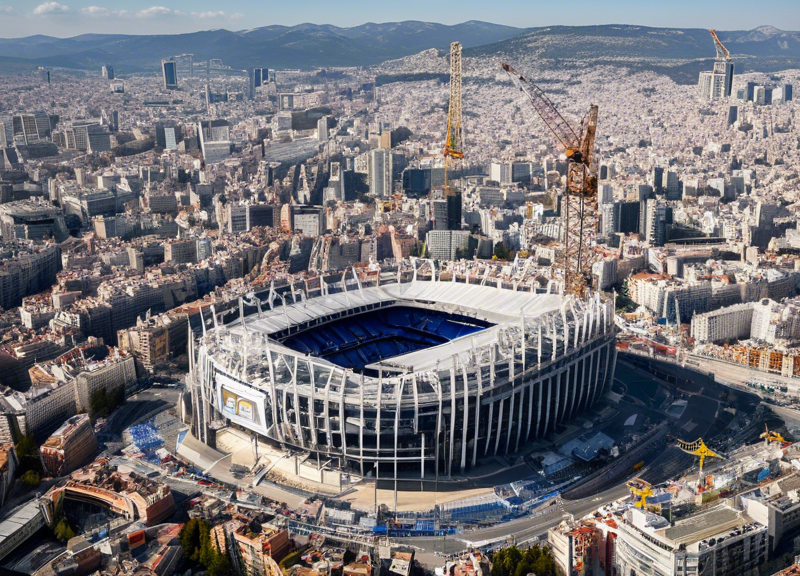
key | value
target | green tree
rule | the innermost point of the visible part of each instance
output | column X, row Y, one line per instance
column 195, row 540
column 26, row 447
column 99, row 402
column 190, row 539
column 500, row 251
column 513, row 562
column 63, row 531
column 220, row 565
column 30, row 478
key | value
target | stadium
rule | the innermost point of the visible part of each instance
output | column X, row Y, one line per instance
column 404, row 380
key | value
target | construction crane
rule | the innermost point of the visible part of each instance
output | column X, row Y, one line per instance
column 641, row 489
column 454, row 145
column 722, row 52
column 579, row 205
column 770, row 436
column 698, row 448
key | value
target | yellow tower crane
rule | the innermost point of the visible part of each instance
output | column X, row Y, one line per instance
column 454, row 145
column 641, row 489
column 579, row 206
column 770, row 436
column 698, row 448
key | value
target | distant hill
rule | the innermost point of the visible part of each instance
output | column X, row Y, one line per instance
column 313, row 45
column 623, row 41
column 301, row 46
column 680, row 53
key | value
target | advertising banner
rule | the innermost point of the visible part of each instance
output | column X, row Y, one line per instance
column 241, row 404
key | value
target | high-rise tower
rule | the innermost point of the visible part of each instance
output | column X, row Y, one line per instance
column 169, row 69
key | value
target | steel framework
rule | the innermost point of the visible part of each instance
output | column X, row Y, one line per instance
column 454, row 145
column 722, row 52
column 579, row 204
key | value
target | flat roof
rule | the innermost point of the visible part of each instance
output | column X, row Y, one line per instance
column 718, row 520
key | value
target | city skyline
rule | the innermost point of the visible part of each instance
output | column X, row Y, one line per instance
column 67, row 19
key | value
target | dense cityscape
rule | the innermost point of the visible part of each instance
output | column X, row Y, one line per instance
column 474, row 310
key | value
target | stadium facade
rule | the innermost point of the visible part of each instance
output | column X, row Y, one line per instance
column 420, row 379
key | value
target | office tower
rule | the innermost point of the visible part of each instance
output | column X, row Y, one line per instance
column 169, row 69
column 454, row 206
column 108, row 72
column 215, row 140
column 605, row 194
column 609, row 222
column 168, row 135
column 380, row 173
column 26, row 128
column 628, row 217
column 718, row 83
column 336, row 181
column 733, row 115
column 501, row 172
column 251, row 84
column 657, row 178
column 322, row 129
column 256, row 77
column 672, row 185
column 438, row 214
column 751, row 87
column 657, row 218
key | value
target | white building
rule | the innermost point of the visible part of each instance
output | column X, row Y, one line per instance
column 501, row 172
column 732, row 322
column 721, row 541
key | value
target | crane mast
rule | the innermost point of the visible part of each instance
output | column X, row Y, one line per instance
column 454, row 145
column 579, row 203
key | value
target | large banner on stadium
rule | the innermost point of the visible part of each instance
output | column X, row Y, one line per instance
column 240, row 404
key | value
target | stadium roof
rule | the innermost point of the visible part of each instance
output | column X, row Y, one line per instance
column 503, row 308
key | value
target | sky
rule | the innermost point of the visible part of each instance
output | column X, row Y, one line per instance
column 65, row 18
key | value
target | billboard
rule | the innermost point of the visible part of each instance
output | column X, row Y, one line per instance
column 240, row 403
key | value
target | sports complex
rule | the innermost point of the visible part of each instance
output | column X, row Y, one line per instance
column 405, row 380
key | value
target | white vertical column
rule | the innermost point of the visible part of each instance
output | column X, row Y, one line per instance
column 557, row 404
column 513, row 398
column 326, row 408
column 378, row 418
column 548, row 405
column 477, row 415
column 450, row 454
column 361, row 424
column 342, row 424
column 399, row 395
column 465, row 421
column 298, row 429
column 274, row 398
column 530, row 408
column 489, row 427
column 499, row 427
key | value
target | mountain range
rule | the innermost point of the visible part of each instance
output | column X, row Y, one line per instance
column 313, row 45
column 301, row 46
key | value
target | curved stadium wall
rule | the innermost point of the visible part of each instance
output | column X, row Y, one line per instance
column 418, row 379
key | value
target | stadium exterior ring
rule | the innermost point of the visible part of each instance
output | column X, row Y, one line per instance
column 404, row 380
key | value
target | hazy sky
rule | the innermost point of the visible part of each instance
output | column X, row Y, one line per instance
column 72, row 17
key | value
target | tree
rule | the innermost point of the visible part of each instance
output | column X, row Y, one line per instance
column 513, row 562
column 63, row 531
column 190, row 539
column 195, row 540
column 26, row 447
column 220, row 565
column 30, row 478
column 501, row 252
